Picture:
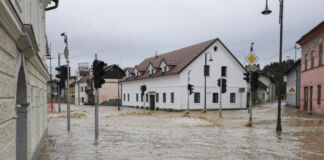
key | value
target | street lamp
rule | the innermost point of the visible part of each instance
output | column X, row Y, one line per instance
column 206, row 70
column 266, row 12
column 66, row 54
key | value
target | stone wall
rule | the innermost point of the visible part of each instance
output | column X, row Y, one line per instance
column 7, row 96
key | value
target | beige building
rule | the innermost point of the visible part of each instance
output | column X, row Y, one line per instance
column 23, row 77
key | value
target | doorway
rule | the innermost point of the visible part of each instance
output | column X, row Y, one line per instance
column 305, row 98
column 311, row 99
column 152, row 102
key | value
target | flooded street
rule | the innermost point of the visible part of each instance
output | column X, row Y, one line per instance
column 142, row 134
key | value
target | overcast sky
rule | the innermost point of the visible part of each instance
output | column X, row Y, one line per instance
column 126, row 32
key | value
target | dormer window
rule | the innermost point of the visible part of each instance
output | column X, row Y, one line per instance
column 165, row 69
column 152, row 71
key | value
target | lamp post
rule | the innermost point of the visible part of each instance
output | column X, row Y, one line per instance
column 206, row 70
column 266, row 12
column 66, row 54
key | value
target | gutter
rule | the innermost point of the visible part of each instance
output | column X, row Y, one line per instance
column 53, row 7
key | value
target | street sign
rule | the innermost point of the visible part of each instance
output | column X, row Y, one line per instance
column 285, row 78
column 291, row 89
column 241, row 90
column 66, row 52
column 251, row 58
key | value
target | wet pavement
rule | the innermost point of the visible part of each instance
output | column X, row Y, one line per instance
column 142, row 134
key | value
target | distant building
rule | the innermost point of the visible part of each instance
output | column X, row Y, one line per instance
column 82, row 89
column 293, row 85
column 312, row 71
column 166, row 78
column 266, row 91
column 109, row 90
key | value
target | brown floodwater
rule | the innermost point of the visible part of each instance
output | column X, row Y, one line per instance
column 143, row 134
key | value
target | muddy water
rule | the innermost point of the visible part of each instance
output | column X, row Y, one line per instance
column 141, row 134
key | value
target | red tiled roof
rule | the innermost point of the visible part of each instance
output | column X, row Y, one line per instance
column 177, row 60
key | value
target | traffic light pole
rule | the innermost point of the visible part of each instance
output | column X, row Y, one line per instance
column 220, row 98
column 68, row 95
column 188, row 90
column 58, row 88
column 96, row 110
column 250, row 99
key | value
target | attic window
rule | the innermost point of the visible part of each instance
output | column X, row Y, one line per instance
column 164, row 69
column 152, row 71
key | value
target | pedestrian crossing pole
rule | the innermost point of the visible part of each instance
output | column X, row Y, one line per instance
column 96, row 109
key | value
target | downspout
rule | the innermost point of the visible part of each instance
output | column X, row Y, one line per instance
column 53, row 7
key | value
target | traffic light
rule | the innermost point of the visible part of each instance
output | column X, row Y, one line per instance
column 61, row 75
column 143, row 89
column 254, row 81
column 247, row 77
column 98, row 73
column 190, row 88
column 224, row 85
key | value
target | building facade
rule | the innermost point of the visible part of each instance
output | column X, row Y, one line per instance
column 166, row 78
column 312, row 71
column 266, row 92
column 23, row 77
column 293, row 85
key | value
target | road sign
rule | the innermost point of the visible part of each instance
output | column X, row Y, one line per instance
column 291, row 89
column 66, row 52
column 251, row 58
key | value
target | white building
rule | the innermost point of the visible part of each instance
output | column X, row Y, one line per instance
column 166, row 79
column 83, row 86
column 267, row 89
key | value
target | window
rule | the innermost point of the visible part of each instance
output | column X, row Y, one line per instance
column 157, row 97
column 164, row 97
column 128, row 97
column 313, row 57
column 232, row 98
column 82, row 100
column 306, row 55
column 172, row 97
column 319, row 94
column 197, row 97
column 224, row 72
column 136, row 97
column 152, row 71
column 206, row 70
column 215, row 97
column 124, row 97
column 81, row 88
column 146, row 97
column 321, row 54
column 142, row 98
column 165, row 69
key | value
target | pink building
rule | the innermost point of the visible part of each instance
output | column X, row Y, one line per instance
column 109, row 90
column 312, row 71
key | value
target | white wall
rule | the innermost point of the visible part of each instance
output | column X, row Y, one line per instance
column 234, row 79
column 178, row 84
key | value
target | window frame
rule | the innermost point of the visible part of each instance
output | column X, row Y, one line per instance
column 320, row 51
column 233, row 99
column 215, row 98
column 172, row 97
column 197, row 97
column 224, row 70
column 312, row 58
column 164, row 97
column 306, row 61
column 319, row 94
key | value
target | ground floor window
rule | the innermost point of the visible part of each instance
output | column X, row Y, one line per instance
column 197, row 97
column 157, row 97
column 232, row 98
column 164, row 97
column 124, row 97
column 128, row 97
column 82, row 100
column 215, row 97
column 172, row 97
column 319, row 94
column 136, row 97
column 146, row 97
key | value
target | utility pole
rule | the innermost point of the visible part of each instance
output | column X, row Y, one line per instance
column 188, row 90
column 250, row 99
column 96, row 108
column 66, row 54
column 220, row 98
column 58, row 87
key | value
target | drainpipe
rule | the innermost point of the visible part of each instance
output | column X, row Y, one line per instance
column 53, row 7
